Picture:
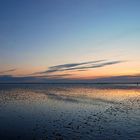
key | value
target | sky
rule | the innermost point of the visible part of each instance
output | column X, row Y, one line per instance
column 71, row 39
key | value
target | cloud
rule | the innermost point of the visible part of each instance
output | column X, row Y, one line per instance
column 56, row 76
column 6, row 71
column 74, row 64
column 95, row 66
column 64, row 67
column 83, row 66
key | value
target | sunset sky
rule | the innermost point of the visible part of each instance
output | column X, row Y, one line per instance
column 84, row 39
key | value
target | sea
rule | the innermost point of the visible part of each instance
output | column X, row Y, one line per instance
column 69, row 111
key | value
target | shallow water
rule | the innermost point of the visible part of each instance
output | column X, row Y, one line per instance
column 69, row 111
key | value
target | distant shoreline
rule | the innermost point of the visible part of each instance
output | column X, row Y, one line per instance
column 104, row 83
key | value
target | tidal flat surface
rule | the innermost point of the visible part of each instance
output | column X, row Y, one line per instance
column 69, row 112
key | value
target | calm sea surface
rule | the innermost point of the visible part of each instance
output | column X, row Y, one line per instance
column 69, row 112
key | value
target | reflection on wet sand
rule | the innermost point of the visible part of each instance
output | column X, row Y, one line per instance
column 69, row 112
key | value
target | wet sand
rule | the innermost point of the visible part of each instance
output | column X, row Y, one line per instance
column 66, row 112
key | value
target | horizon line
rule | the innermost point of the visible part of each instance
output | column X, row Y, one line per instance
column 137, row 83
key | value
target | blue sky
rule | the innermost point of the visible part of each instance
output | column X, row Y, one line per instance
column 35, row 35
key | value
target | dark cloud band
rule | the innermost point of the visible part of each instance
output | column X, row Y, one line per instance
column 78, row 66
column 6, row 71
